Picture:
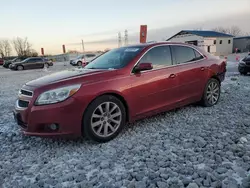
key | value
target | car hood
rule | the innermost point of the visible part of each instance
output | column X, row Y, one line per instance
column 14, row 63
column 64, row 75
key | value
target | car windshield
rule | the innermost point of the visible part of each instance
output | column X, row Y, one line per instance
column 115, row 59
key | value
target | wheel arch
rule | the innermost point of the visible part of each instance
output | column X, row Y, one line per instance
column 216, row 77
column 115, row 94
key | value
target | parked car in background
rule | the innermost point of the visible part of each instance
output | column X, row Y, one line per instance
column 9, row 62
column 1, row 61
column 244, row 65
column 49, row 61
column 82, row 60
column 122, row 85
column 30, row 63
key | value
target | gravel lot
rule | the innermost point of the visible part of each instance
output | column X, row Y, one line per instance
column 188, row 147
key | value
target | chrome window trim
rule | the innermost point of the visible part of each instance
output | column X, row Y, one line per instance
column 167, row 66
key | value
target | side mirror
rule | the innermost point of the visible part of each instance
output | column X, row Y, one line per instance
column 143, row 66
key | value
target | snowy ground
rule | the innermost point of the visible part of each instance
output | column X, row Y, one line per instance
column 189, row 147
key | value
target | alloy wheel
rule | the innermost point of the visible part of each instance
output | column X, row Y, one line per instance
column 213, row 93
column 106, row 119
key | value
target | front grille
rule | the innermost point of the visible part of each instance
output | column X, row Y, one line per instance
column 25, row 92
column 247, row 63
column 23, row 104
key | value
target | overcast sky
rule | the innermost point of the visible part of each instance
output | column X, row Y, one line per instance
column 51, row 23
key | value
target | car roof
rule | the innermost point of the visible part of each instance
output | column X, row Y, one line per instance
column 149, row 44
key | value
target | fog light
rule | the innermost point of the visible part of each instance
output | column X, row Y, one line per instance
column 53, row 127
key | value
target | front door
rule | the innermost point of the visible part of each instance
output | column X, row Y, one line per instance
column 192, row 74
column 157, row 89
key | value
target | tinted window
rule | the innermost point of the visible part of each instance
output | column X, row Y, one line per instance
column 220, row 41
column 158, row 56
column 38, row 59
column 90, row 55
column 30, row 60
column 115, row 59
column 214, row 41
column 183, row 54
column 247, row 58
column 229, row 41
column 198, row 56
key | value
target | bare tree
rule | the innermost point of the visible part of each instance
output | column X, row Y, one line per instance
column 22, row 46
column 5, row 48
column 32, row 53
column 234, row 30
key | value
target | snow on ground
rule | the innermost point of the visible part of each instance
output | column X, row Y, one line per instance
column 188, row 147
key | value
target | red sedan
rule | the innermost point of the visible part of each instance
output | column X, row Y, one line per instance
column 1, row 61
column 122, row 85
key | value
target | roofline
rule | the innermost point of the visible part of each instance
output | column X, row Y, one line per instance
column 242, row 37
column 197, row 35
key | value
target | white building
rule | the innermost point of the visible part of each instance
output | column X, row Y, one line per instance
column 212, row 41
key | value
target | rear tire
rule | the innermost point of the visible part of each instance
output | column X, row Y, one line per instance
column 19, row 67
column 211, row 94
column 104, row 118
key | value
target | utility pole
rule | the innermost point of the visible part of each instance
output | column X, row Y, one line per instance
column 83, row 46
column 126, row 37
column 119, row 40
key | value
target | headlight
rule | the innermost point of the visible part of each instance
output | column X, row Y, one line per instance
column 57, row 95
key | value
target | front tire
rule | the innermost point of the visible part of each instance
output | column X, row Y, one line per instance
column 79, row 63
column 46, row 65
column 211, row 94
column 104, row 118
column 242, row 71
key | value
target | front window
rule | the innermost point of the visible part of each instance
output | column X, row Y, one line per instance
column 115, row 59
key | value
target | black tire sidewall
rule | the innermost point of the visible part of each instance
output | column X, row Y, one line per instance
column 242, row 71
column 204, row 97
column 79, row 63
column 88, row 131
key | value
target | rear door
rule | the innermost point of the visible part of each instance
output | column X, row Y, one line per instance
column 157, row 89
column 29, row 63
column 193, row 72
column 39, row 63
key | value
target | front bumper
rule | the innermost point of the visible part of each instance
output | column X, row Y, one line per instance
column 244, row 68
column 35, row 120
column 12, row 67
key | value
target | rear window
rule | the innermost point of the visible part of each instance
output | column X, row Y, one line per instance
column 183, row 54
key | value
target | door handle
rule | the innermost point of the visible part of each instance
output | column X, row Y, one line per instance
column 202, row 68
column 172, row 76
